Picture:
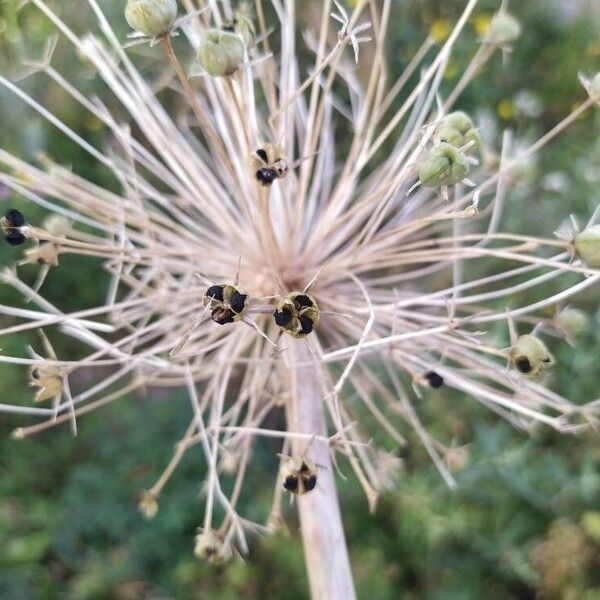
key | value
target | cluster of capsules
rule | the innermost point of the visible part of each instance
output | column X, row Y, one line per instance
column 296, row 314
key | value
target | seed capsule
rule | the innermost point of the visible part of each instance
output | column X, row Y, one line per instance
column 45, row 252
column 226, row 302
column 299, row 475
column 209, row 546
column 297, row 314
column 268, row 165
column 444, row 165
column 220, row 52
column 530, row 356
column 572, row 321
column 504, row 29
column 587, row 246
column 151, row 18
column 244, row 27
column 458, row 130
column 48, row 381
column 148, row 504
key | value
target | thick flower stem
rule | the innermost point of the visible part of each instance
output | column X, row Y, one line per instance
column 325, row 550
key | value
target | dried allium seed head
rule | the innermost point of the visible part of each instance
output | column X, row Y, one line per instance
column 220, row 53
column 11, row 226
column 443, row 165
column 148, row 504
column 504, row 29
column 458, row 129
column 209, row 546
column 151, row 18
column 587, row 246
column 530, row 356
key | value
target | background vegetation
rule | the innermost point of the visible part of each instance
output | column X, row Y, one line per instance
column 525, row 521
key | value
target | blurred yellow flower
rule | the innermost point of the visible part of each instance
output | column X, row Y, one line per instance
column 440, row 30
column 506, row 109
column 481, row 24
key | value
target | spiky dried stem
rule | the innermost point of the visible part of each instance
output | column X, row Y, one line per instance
column 325, row 550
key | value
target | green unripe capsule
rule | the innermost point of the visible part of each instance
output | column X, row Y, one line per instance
column 152, row 18
column 530, row 356
column 572, row 321
column 220, row 52
column 504, row 29
column 587, row 246
column 444, row 165
column 458, row 129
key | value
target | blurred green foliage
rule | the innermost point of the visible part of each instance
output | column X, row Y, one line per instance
column 525, row 520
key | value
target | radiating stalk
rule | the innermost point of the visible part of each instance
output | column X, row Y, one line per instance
column 325, row 551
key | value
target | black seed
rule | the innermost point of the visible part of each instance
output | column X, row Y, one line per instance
column 222, row 316
column 15, row 238
column 434, row 380
column 261, row 153
column 41, row 261
column 229, row 28
column 35, row 373
column 43, row 242
column 303, row 300
column 238, row 302
column 15, row 217
column 309, row 482
column 304, row 468
column 266, row 176
column 283, row 317
column 216, row 292
column 522, row 363
column 306, row 324
column 290, row 483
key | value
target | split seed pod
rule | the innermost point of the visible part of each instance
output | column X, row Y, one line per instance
column 46, row 252
column 151, row 18
column 504, row 29
column 209, row 546
column 268, row 165
column 587, row 246
column 443, row 165
column 220, row 52
column 458, row 130
column 297, row 314
column 226, row 302
column 48, row 380
column 530, row 356
column 299, row 475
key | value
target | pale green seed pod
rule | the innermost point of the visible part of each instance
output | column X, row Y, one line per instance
column 444, row 165
column 572, row 321
column 151, row 18
column 458, row 129
column 220, row 52
column 530, row 356
column 244, row 27
column 504, row 29
column 587, row 246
